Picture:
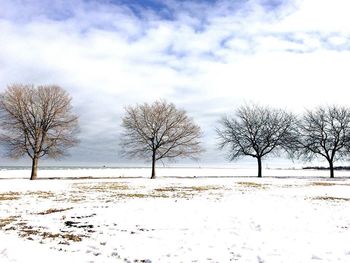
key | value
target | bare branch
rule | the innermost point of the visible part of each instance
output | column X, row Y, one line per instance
column 255, row 131
column 159, row 131
column 324, row 132
column 37, row 121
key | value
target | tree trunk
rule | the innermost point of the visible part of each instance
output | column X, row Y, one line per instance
column 259, row 167
column 153, row 165
column 34, row 169
column 331, row 168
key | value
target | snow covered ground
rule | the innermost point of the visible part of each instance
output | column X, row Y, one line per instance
column 221, row 215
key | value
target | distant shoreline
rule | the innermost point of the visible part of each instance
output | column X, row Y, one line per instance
column 96, row 167
column 73, row 167
column 338, row 168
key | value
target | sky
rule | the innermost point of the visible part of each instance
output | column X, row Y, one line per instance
column 208, row 57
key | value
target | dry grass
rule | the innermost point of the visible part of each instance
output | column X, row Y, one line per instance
column 66, row 236
column 76, row 199
column 329, row 198
column 6, row 221
column 71, row 237
column 9, row 196
column 70, row 197
column 54, row 210
column 17, row 195
column 111, row 192
column 137, row 195
column 188, row 188
column 30, row 232
column 322, row 184
column 102, row 187
column 188, row 191
column 115, row 191
column 253, row 185
column 131, row 195
column 40, row 194
column 206, row 188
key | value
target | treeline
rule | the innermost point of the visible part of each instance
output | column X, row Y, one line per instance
column 39, row 121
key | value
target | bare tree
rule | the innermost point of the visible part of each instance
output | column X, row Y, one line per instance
column 255, row 131
column 37, row 121
column 159, row 131
column 324, row 132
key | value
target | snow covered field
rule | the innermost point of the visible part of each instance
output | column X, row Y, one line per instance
column 222, row 215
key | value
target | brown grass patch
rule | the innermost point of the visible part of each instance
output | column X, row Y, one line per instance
column 187, row 191
column 54, row 210
column 329, row 198
column 76, row 199
column 188, row 188
column 252, row 185
column 40, row 194
column 9, row 196
column 136, row 195
column 71, row 197
column 102, row 187
column 71, row 237
column 6, row 221
column 66, row 237
column 29, row 232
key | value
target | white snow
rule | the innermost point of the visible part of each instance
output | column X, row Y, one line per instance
column 222, row 215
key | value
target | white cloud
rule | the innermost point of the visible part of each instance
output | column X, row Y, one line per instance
column 208, row 59
column 318, row 15
column 338, row 40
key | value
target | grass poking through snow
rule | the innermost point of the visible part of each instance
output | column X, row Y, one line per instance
column 253, row 185
column 329, row 198
column 54, row 210
column 7, row 221
column 9, row 196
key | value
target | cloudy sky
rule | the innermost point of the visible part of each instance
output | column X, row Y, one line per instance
column 206, row 56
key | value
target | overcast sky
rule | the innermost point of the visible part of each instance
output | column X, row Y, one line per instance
column 207, row 57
